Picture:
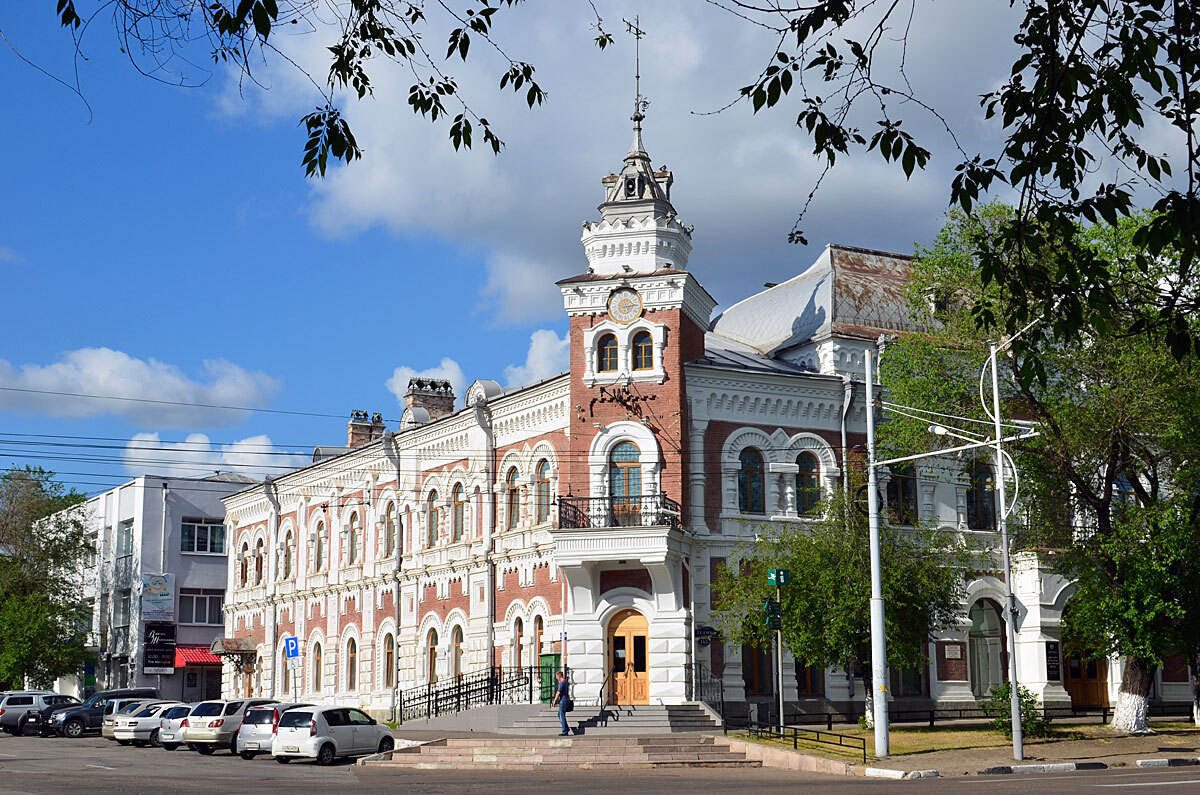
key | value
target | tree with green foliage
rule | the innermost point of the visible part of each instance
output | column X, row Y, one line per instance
column 43, row 552
column 826, row 608
column 1087, row 81
column 1117, row 410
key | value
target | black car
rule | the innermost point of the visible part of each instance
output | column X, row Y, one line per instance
column 75, row 721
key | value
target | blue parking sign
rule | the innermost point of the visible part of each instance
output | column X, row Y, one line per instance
column 291, row 647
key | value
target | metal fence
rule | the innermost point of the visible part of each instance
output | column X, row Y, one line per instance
column 931, row 717
column 798, row 735
column 534, row 684
column 647, row 510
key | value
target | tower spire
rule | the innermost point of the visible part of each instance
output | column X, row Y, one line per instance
column 640, row 103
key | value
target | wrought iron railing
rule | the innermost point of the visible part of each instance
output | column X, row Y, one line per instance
column 534, row 684
column 647, row 510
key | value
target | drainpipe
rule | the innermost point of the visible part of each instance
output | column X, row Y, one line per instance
column 392, row 450
column 483, row 418
column 162, row 552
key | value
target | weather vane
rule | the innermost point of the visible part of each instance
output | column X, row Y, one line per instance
column 640, row 103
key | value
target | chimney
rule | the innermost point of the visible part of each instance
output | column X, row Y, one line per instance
column 362, row 429
column 435, row 395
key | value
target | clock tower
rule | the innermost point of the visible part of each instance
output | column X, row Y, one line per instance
column 636, row 317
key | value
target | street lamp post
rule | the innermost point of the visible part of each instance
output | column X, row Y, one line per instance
column 878, row 640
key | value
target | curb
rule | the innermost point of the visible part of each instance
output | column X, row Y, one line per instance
column 1175, row 761
column 883, row 772
column 1052, row 767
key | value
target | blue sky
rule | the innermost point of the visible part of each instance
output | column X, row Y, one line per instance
column 169, row 247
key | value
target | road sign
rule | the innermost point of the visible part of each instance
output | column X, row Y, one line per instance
column 291, row 648
column 774, row 622
column 778, row 577
column 772, row 608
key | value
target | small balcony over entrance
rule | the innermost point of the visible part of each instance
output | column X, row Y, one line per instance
column 649, row 510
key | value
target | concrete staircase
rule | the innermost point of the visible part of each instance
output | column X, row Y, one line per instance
column 618, row 720
column 566, row 752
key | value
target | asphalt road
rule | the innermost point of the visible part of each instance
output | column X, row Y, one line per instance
column 35, row 765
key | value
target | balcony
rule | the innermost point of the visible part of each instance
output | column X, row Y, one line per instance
column 650, row 510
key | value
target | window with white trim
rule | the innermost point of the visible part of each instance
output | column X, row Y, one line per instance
column 201, row 605
column 122, row 608
column 125, row 539
column 202, row 536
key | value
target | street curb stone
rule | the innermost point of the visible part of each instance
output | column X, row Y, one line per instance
column 1175, row 761
column 883, row 772
column 1052, row 767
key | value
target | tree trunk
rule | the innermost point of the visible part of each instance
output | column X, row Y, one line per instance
column 1132, row 698
column 1196, row 691
column 868, row 700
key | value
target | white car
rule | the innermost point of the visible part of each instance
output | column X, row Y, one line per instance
column 325, row 733
column 259, row 726
column 170, row 726
column 143, row 726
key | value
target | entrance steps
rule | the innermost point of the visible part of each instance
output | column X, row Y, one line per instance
column 566, row 752
column 618, row 720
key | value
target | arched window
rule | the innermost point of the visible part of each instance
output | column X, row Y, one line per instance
column 459, row 510
column 981, row 504
column 808, row 483
column 902, row 495
column 751, row 498
column 625, row 484
column 985, row 648
column 513, row 503
column 543, row 491
column 431, row 654
column 606, row 354
column 431, row 540
column 259, row 557
column 319, row 557
column 244, row 574
column 643, row 351
column 389, row 531
column 351, row 665
column 317, row 668
column 353, row 539
column 457, row 637
column 518, row 639
column 288, row 547
column 389, row 660
column 537, row 639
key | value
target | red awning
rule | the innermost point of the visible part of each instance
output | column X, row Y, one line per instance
column 194, row 655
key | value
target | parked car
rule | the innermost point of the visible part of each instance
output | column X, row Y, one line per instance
column 170, row 726
column 258, row 728
column 16, row 705
column 120, row 707
column 141, row 726
column 326, row 733
column 32, row 721
column 75, row 721
column 215, row 724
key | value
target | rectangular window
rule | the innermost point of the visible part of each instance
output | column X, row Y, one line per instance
column 202, row 536
column 125, row 539
column 121, row 610
column 908, row 682
column 200, row 605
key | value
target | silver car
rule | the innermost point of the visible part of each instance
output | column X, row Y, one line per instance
column 119, row 706
column 258, row 728
column 17, row 705
column 141, row 726
column 215, row 724
column 170, row 726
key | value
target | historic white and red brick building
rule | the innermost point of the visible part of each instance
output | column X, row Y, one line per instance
column 595, row 506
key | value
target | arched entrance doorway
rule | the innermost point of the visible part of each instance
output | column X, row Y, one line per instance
column 985, row 651
column 628, row 636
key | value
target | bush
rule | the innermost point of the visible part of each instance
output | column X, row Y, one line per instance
column 1033, row 722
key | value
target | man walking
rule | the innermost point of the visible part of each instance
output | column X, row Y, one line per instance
column 562, row 699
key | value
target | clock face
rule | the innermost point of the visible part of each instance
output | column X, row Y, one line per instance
column 624, row 305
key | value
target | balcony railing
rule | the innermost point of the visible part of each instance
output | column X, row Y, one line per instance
column 648, row 510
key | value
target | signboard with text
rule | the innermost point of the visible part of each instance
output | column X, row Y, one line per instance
column 158, row 598
column 158, row 649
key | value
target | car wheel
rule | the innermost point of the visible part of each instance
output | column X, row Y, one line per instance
column 154, row 739
column 247, row 755
column 122, row 742
column 21, row 729
column 170, row 746
column 233, row 746
column 73, row 729
column 326, row 755
column 386, row 744
column 283, row 760
column 204, row 749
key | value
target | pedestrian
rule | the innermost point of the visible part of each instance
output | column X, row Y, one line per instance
column 562, row 699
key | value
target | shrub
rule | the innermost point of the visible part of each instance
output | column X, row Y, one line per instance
column 1033, row 722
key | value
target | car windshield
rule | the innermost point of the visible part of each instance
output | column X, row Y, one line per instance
column 208, row 708
column 293, row 719
column 147, row 712
column 176, row 713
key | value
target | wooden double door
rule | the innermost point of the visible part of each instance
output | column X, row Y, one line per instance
column 628, row 639
column 1086, row 681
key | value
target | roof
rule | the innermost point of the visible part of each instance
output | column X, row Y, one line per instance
column 607, row 277
column 848, row 291
column 723, row 352
column 232, row 646
column 186, row 655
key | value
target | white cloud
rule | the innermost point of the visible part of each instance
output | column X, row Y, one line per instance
column 548, row 355
column 10, row 256
column 114, row 374
column 196, row 456
column 447, row 369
